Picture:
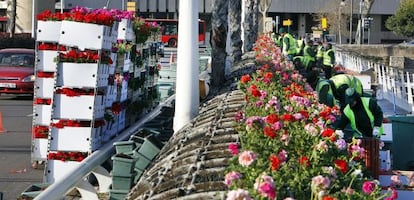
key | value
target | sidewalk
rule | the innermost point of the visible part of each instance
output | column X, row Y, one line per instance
column 389, row 109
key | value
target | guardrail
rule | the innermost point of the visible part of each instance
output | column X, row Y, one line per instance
column 92, row 164
column 393, row 84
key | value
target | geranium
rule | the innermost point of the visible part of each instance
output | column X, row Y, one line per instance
column 40, row 131
column 51, row 46
column 67, row 156
column 288, row 147
column 143, row 29
column 122, row 47
column 77, row 123
column 81, row 14
column 87, row 56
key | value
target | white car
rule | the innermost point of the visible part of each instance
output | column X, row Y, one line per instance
column 410, row 43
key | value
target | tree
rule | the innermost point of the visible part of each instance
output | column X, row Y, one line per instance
column 219, row 27
column 402, row 22
column 235, row 31
column 13, row 11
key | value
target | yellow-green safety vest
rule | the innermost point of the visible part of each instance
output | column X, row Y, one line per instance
column 326, row 58
column 351, row 81
column 292, row 44
column 351, row 116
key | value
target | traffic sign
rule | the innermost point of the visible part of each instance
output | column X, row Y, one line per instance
column 287, row 22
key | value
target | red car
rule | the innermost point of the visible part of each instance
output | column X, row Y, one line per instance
column 17, row 71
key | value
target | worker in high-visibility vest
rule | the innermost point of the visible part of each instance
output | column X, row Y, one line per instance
column 300, row 45
column 363, row 114
column 328, row 60
column 309, row 56
column 289, row 45
column 319, row 54
column 341, row 82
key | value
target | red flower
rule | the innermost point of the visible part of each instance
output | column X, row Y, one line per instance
column 303, row 160
column 245, row 79
column 328, row 132
column 255, row 91
column 268, row 75
column 268, row 131
column 272, row 118
column 274, row 162
column 287, row 117
column 304, row 113
column 328, row 198
column 342, row 165
column 40, row 101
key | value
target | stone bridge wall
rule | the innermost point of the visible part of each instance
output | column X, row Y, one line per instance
column 392, row 55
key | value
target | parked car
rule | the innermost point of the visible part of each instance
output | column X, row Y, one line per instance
column 17, row 71
column 409, row 43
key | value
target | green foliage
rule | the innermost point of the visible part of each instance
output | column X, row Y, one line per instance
column 402, row 23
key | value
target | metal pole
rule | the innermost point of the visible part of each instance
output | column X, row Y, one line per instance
column 187, row 91
column 350, row 21
column 339, row 24
column 361, row 41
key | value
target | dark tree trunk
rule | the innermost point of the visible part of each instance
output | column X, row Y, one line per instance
column 219, row 10
column 235, row 31
column 13, row 18
column 251, row 24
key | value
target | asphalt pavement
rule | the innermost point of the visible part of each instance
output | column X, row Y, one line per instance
column 16, row 173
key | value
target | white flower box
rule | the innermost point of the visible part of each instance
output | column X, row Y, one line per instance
column 110, row 130
column 82, row 75
column 44, row 87
column 125, row 31
column 110, row 95
column 46, row 60
column 86, row 35
column 85, row 107
column 39, row 151
column 57, row 169
column 85, row 139
column 42, row 114
column 121, row 120
column 48, row 31
column 124, row 91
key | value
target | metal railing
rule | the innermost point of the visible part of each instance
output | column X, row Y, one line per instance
column 77, row 178
column 393, row 84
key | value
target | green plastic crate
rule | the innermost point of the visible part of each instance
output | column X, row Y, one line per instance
column 117, row 194
column 122, row 165
column 402, row 146
column 124, row 146
column 123, row 182
column 33, row 190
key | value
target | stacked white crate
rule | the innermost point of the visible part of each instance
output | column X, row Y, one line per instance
column 85, row 107
column 125, row 33
column 45, row 69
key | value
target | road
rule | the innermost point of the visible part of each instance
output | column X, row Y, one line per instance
column 16, row 173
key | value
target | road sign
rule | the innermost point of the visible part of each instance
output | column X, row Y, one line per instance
column 287, row 22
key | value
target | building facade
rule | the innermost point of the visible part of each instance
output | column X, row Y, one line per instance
column 300, row 12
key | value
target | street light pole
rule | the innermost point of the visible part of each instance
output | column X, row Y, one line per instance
column 350, row 21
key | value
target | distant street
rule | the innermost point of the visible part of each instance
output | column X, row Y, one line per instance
column 16, row 173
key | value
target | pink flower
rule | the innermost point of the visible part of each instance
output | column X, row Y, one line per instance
column 348, row 191
column 265, row 186
column 394, row 195
column 246, row 158
column 282, row 155
column 341, row 144
column 238, row 194
column 368, row 187
column 229, row 177
column 233, row 148
column 320, row 182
